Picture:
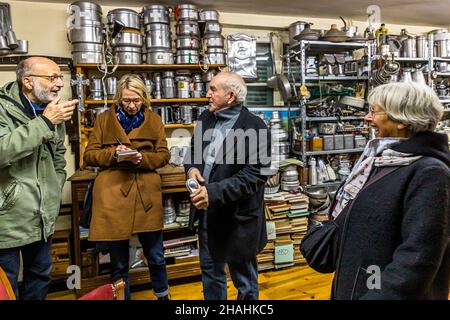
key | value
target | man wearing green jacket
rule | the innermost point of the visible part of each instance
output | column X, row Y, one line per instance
column 32, row 172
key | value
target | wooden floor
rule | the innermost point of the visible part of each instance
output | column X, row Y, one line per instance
column 295, row 283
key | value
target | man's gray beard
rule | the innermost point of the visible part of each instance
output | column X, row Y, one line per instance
column 40, row 93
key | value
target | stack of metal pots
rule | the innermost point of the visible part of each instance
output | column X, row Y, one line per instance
column 158, row 37
column 280, row 137
column 127, row 45
column 188, row 34
column 213, row 40
column 86, row 32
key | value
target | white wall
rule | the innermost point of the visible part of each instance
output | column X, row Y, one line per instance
column 44, row 26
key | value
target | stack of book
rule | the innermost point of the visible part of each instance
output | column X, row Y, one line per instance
column 266, row 257
column 179, row 246
column 287, row 222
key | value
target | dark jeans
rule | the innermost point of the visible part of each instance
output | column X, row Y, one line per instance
column 244, row 274
column 152, row 245
column 37, row 265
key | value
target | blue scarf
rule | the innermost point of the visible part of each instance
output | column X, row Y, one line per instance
column 129, row 122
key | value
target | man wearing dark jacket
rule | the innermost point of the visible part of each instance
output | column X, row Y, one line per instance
column 230, row 151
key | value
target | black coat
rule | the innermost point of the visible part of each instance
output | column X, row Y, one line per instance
column 236, row 223
column 400, row 224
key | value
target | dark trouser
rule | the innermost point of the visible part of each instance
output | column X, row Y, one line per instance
column 244, row 274
column 152, row 245
column 37, row 265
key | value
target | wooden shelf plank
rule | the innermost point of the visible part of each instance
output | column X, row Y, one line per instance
column 196, row 66
column 185, row 100
column 178, row 126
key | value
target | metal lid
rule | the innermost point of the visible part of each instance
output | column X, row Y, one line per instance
column 86, row 5
column 122, row 10
column 154, row 7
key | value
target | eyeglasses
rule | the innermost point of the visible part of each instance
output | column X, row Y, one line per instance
column 375, row 112
column 52, row 78
column 128, row 101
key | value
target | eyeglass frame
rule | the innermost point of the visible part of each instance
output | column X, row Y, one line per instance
column 374, row 113
column 137, row 101
column 51, row 78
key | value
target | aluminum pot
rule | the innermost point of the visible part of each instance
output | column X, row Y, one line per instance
column 188, row 28
column 209, row 15
column 155, row 13
column 216, row 58
column 188, row 42
column 85, row 13
column 187, row 12
column 409, row 48
column 87, row 47
column 80, row 57
column 158, row 36
column 421, row 47
column 442, row 45
column 216, row 50
column 157, row 27
column 295, row 29
column 279, row 135
column 187, row 56
column 85, row 34
column 128, row 17
column 214, row 40
column 212, row 27
column 111, row 86
column 208, row 75
column 159, row 57
column 127, row 39
column 280, row 148
column 128, row 55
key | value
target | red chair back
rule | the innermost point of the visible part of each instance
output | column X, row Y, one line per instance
column 114, row 291
column 6, row 291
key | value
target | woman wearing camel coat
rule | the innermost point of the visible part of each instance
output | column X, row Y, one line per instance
column 127, row 197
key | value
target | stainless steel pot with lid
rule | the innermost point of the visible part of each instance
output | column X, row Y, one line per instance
column 158, row 36
column 130, row 39
column 188, row 42
column 155, row 14
column 85, row 13
column 93, row 34
column 188, row 27
column 187, row 56
column 128, row 17
column 214, row 40
column 159, row 56
column 209, row 15
column 186, row 12
column 295, row 29
column 212, row 27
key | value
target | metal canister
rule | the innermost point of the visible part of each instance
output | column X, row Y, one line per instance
column 168, row 85
column 186, row 114
column 157, row 85
column 421, row 47
column 199, row 88
column 111, row 86
column 183, row 85
column 409, row 48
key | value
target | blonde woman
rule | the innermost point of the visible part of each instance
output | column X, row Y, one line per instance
column 127, row 196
